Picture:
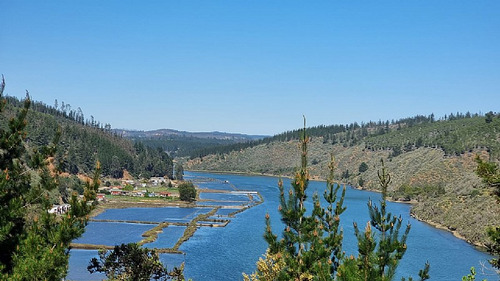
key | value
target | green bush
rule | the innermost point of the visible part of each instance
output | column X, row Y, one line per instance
column 187, row 192
column 409, row 192
column 363, row 167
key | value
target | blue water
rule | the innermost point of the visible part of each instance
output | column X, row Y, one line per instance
column 225, row 196
column 225, row 212
column 223, row 253
column 112, row 233
column 222, row 203
column 79, row 260
column 168, row 237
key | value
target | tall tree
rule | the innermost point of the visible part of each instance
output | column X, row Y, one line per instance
column 116, row 168
column 187, row 191
column 311, row 245
column 179, row 172
column 379, row 249
column 34, row 243
column 134, row 263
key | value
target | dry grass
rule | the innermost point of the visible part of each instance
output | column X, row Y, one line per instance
column 466, row 206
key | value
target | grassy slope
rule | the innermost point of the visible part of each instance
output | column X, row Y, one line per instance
column 466, row 206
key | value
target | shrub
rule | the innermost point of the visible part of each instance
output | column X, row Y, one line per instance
column 187, row 192
column 363, row 167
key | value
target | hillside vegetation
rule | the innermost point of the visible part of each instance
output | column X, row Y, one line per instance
column 182, row 143
column 85, row 141
column 432, row 164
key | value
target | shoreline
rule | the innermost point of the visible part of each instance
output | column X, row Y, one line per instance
column 455, row 233
column 239, row 173
column 436, row 225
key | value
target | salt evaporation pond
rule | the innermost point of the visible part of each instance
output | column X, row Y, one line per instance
column 211, row 183
column 168, row 237
column 113, row 233
column 222, row 203
column 241, row 197
column 225, row 212
column 223, row 253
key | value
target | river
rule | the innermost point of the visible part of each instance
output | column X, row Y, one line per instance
column 223, row 253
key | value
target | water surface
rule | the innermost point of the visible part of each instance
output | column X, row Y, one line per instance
column 223, row 253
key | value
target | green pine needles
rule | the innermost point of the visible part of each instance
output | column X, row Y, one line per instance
column 311, row 245
column 379, row 250
column 34, row 243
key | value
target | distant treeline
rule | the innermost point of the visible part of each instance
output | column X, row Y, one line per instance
column 454, row 133
column 64, row 111
column 83, row 142
column 180, row 146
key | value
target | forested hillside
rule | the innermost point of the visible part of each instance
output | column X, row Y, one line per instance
column 454, row 133
column 85, row 141
column 432, row 163
column 182, row 143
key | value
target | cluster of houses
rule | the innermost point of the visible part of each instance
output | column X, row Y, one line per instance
column 138, row 189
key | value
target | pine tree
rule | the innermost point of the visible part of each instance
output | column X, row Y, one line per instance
column 34, row 243
column 379, row 250
column 179, row 172
column 311, row 247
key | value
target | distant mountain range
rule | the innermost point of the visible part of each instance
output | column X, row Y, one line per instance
column 133, row 134
column 182, row 143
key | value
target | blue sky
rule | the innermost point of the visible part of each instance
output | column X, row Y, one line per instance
column 253, row 67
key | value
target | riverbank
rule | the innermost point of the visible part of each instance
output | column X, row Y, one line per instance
column 222, row 253
column 240, row 173
column 455, row 233
column 481, row 246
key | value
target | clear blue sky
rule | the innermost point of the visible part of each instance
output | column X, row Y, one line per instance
column 253, row 67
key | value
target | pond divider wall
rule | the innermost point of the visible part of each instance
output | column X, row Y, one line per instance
column 202, row 220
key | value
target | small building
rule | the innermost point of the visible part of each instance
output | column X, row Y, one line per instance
column 59, row 209
column 158, row 180
column 139, row 193
column 164, row 194
column 104, row 188
column 101, row 197
column 116, row 192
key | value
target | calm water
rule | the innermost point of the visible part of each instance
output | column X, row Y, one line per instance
column 224, row 253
